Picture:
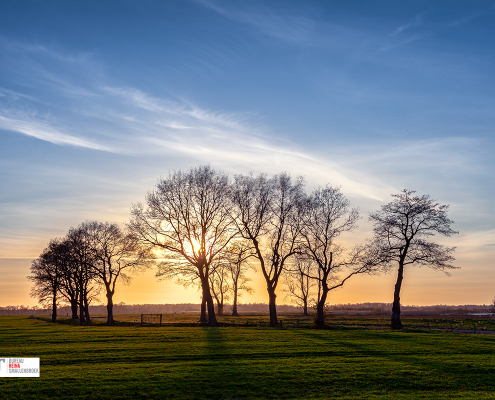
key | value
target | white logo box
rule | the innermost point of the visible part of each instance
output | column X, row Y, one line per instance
column 18, row 367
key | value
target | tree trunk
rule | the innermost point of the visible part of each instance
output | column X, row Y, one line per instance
column 395, row 320
column 54, row 307
column 205, row 283
column 212, row 320
column 305, row 307
column 272, row 306
column 109, row 308
column 81, row 309
column 320, row 307
column 86, row 311
column 234, row 306
column 202, row 317
column 73, row 308
column 219, row 309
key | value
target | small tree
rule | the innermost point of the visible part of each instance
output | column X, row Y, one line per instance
column 237, row 256
column 220, row 285
column 401, row 228
column 299, row 282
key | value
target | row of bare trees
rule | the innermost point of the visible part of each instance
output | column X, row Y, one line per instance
column 206, row 229
column 91, row 258
column 201, row 219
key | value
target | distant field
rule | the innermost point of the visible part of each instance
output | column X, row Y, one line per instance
column 127, row 362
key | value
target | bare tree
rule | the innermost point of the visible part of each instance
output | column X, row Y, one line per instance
column 46, row 276
column 188, row 217
column 69, row 283
column 327, row 216
column 299, row 282
column 267, row 214
column 115, row 254
column 238, row 254
column 219, row 284
column 82, row 258
column 401, row 228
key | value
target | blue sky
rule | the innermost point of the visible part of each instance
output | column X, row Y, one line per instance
column 98, row 99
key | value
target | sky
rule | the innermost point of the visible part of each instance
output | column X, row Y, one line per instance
column 99, row 99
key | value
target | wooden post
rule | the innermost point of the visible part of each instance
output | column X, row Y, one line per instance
column 141, row 319
column 160, row 319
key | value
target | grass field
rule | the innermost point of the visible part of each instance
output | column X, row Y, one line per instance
column 127, row 362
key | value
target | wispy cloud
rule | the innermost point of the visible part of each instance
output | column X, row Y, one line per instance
column 288, row 28
column 414, row 22
column 127, row 120
column 32, row 126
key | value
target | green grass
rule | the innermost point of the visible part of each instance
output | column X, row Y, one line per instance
column 129, row 362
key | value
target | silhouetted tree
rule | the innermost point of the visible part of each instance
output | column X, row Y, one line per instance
column 267, row 214
column 219, row 284
column 326, row 217
column 82, row 257
column 237, row 256
column 188, row 217
column 401, row 228
column 115, row 254
column 69, row 283
column 299, row 282
column 46, row 276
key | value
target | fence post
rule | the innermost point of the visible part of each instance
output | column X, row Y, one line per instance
column 161, row 319
column 141, row 319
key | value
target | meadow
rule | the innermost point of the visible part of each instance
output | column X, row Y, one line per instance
column 239, row 362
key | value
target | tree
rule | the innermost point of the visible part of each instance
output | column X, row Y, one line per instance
column 46, row 276
column 115, row 254
column 69, row 284
column 299, row 282
column 268, row 215
column 188, row 216
column 83, row 259
column 237, row 255
column 219, row 284
column 401, row 228
column 326, row 217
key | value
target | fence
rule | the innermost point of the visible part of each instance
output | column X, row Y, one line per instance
column 151, row 319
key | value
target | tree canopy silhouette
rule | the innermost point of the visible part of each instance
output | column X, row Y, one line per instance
column 188, row 217
column 401, row 229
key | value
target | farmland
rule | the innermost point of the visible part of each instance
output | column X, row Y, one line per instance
column 247, row 362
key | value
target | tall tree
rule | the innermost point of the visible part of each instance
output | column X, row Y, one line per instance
column 327, row 216
column 188, row 217
column 401, row 229
column 268, row 215
column 115, row 255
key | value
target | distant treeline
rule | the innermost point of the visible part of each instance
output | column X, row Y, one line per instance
column 367, row 308
column 410, row 310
